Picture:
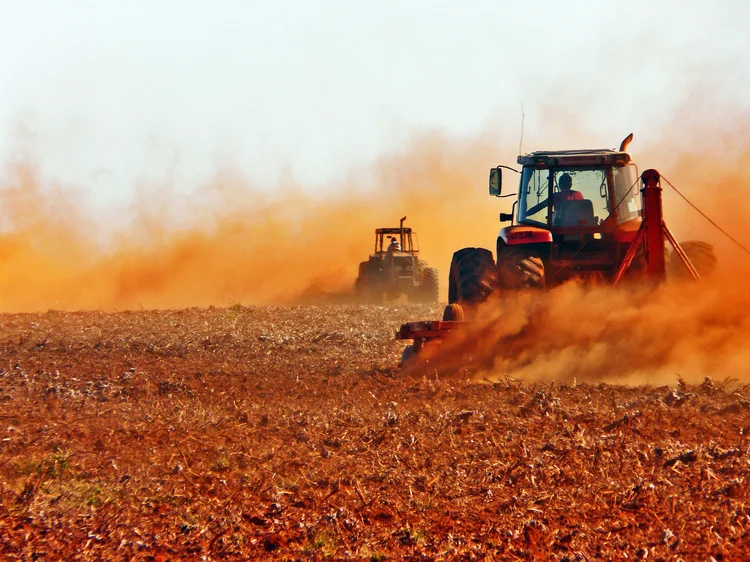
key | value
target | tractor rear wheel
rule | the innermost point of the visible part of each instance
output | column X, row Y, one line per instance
column 367, row 293
column 428, row 290
column 368, row 286
column 520, row 268
column 700, row 254
column 472, row 277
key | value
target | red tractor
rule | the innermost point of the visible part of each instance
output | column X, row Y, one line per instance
column 577, row 215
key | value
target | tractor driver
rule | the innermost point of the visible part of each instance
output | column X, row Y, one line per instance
column 394, row 246
column 566, row 192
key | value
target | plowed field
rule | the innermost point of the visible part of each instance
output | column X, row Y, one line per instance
column 289, row 433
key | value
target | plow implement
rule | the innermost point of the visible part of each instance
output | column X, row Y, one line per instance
column 422, row 332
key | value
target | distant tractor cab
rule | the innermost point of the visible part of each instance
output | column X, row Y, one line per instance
column 395, row 269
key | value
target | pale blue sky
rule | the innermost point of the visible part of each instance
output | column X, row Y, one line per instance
column 109, row 93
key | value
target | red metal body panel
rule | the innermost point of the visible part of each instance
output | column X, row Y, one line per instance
column 522, row 234
column 429, row 329
column 653, row 222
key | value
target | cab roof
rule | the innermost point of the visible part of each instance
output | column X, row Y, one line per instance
column 406, row 230
column 589, row 157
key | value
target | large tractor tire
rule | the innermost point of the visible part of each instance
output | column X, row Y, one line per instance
column 454, row 312
column 700, row 254
column 428, row 290
column 520, row 268
column 473, row 276
column 360, row 289
column 367, row 286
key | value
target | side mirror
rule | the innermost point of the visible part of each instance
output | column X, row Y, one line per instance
column 496, row 181
column 506, row 217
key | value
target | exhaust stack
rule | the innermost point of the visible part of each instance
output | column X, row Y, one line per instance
column 626, row 142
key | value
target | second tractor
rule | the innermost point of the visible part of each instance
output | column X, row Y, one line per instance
column 395, row 269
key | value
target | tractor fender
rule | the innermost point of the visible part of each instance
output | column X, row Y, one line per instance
column 523, row 234
column 531, row 237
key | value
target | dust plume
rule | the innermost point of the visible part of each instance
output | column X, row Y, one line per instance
column 231, row 242
column 631, row 335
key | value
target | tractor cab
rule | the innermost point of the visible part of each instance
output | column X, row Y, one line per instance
column 395, row 268
column 395, row 249
column 395, row 240
column 577, row 209
column 573, row 190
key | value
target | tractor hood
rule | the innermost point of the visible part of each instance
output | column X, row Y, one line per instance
column 523, row 234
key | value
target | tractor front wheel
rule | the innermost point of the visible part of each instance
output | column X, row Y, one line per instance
column 428, row 290
column 472, row 276
column 520, row 268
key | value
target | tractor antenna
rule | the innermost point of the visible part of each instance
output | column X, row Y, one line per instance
column 520, row 142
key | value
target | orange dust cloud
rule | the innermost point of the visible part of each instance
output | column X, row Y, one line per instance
column 604, row 334
column 232, row 243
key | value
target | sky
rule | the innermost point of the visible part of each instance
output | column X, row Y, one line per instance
column 110, row 96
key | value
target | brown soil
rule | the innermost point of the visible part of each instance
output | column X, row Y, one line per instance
column 256, row 433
